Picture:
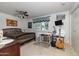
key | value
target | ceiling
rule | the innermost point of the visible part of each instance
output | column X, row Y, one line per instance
column 35, row 9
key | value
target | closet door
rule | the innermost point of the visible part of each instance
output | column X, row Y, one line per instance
column 75, row 30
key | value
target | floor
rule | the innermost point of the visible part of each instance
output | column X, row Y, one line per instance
column 32, row 49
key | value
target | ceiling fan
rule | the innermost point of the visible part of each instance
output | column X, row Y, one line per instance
column 22, row 14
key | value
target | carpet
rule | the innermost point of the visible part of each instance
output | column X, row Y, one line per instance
column 41, row 44
column 35, row 49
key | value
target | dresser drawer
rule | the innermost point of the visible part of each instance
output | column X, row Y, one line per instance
column 13, row 50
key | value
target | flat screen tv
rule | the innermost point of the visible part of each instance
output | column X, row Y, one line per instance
column 59, row 22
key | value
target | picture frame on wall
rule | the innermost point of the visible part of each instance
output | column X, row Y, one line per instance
column 60, row 17
column 10, row 22
column 29, row 24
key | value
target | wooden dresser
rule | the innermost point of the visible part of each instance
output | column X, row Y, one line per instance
column 11, row 49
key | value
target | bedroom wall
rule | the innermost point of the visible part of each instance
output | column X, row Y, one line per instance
column 66, row 27
column 21, row 23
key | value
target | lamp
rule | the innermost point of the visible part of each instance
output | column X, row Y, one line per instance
column 1, row 35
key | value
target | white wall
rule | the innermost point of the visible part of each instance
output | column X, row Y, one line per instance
column 65, row 27
column 75, row 30
column 21, row 23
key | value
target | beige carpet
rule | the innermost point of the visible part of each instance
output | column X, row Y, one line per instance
column 42, row 44
column 34, row 49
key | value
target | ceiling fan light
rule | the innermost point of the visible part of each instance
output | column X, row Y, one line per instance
column 22, row 14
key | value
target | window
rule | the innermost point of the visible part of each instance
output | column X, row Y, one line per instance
column 41, row 26
column 44, row 26
column 41, row 23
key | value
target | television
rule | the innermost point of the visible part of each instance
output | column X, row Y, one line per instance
column 59, row 22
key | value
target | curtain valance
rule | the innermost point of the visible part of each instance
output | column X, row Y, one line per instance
column 41, row 19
